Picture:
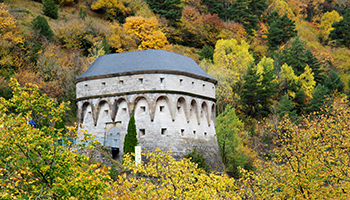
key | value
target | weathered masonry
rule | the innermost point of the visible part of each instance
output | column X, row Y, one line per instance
column 171, row 97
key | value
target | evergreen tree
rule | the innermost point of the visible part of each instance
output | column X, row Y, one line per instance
column 215, row 7
column 294, row 55
column 41, row 26
column 198, row 158
column 250, row 91
column 131, row 137
column 286, row 106
column 170, row 9
column 319, row 98
column 258, row 7
column 280, row 30
column 239, row 12
column 341, row 32
column 266, row 91
column 315, row 65
column 207, row 52
column 50, row 9
column 334, row 83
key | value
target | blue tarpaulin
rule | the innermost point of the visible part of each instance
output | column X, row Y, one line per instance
column 32, row 123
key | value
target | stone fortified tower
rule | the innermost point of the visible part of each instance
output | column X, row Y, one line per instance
column 171, row 97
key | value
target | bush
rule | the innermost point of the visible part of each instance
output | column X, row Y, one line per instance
column 198, row 159
column 50, row 9
column 40, row 25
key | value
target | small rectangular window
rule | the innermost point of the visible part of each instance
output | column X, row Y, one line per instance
column 143, row 108
column 86, row 85
column 142, row 132
column 205, row 134
column 182, row 132
column 194, row 132
column 121, row 82
column 124, row 110
column 163, row 131
column 161, row 108
column 103, row 83
column 141, row 80
column 203, row 85
column 161, row 80
column 181, row 80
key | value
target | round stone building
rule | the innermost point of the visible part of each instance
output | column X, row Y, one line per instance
column 171, row 97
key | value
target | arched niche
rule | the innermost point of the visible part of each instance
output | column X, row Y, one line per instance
column 87, row 115
column 193, row 112
column 103, row 116
column 142, row 113
column 204, row 114
column 181, row 109
column 122, row 112
column 213, row 114
column 162, row 109
column 103, row 107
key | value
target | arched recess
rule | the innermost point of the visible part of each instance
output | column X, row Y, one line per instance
column 162, row 106
column 87, row 118
column 142, row 112
column 122, row 111
column 143, row 99
column 194, row 116
column 103, row 108
column 213, row 114
column 181, row 108
column 205, row 113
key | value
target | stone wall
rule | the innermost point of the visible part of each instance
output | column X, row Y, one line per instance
column 171, row 112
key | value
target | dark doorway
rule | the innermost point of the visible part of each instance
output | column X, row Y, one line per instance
column 115, row 153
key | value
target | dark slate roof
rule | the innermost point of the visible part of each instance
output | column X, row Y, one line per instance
column 143, row 62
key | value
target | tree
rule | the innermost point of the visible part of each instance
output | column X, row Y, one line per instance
column 197, row 158
column 280, row 30
column 50, row 9
column 41, row 26
column 170, row 9
column 250, row 91
column 310, row 160
column 233, row 152
column 341, row 30
column 286, row 106
column 33, row 164
column 319, row 99
column 327, row 20
column 334, row 83
column 131, row 137
column 207, row 52
column 315, row 65
column 293, row 55
column 147, row 32
column 239, row 12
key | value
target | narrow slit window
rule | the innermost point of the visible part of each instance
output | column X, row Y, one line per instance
column 194, row 132
column 141, row 80
column 205, row 134
column 161, row 108
column 163, row 131
column 181, row 80
column 161, row 80
column 142, row 132
column 203, row 85
column 182, row 132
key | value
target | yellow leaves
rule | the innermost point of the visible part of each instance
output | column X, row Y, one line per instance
column 326, row 23
column 306, row 80
column 112, row 6
column 147, row 31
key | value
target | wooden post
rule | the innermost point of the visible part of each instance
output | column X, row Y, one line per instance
column 137, row 155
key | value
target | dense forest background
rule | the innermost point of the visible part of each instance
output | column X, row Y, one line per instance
column 270, row 58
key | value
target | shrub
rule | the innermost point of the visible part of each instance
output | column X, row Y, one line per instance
column 50, row 9
column 41, row 26
column 198, row 158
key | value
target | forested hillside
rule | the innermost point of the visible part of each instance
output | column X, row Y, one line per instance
column 270, row 57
